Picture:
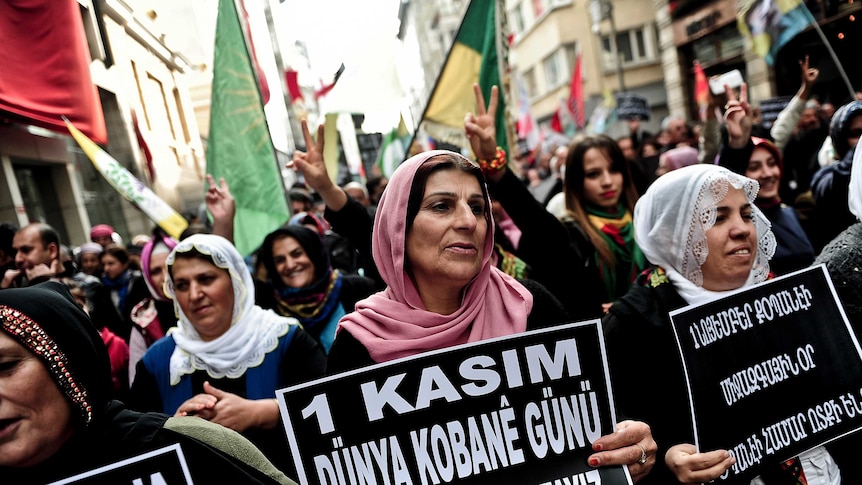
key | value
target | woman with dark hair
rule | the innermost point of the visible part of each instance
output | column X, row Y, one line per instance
column 227, row 356
column 56, row 416
column 122, row 289
column 589, row 258
column 303, row 285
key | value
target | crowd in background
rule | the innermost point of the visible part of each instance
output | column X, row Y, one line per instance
column 453, row 250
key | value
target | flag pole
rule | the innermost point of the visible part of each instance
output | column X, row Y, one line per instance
column 835, row 60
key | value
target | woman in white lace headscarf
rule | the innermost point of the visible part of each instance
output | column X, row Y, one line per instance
column 700, row 229
column 227, row 356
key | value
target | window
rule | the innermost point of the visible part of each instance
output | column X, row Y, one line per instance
column 553, row 70
column 517, row 16
column 530, row 82
column 559, row 66
column 635, row 46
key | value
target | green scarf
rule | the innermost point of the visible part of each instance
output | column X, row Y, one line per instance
column 618, row 232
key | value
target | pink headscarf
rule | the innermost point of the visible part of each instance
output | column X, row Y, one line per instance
column 146, row 253
column 677, row 158
column 394, row 323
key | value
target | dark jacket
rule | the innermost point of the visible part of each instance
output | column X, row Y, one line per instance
column 831, row 188
column 560, row 256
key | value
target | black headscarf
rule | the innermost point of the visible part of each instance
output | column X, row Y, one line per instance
column 46, row 320
column 311, row 243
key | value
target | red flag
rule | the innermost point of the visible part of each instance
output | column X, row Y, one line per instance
column 293, row 85
column 45, row 67
column 701, row 90
column 142, row 143
column 556, row 121
column 576, row 95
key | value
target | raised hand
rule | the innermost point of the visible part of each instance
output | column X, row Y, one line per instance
column 220, row 202
column 809, row 77
column 737, row 117
column 313, row 168
column 480, row 128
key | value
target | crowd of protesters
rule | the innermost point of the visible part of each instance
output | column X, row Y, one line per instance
column 453, row 248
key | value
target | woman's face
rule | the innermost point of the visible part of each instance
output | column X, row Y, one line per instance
column 293, row 265
column 157, row 270
column 112, row 266
column 763, row 167
column 90, row 264
column 445, row 244
column 602, row 184
column 732, row 244
column 205, row 293
column 35, row 417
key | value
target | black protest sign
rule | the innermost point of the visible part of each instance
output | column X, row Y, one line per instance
column 632, row 106
column 521, row 409
column 770, row 108
column 772, row 371
column 165, row 466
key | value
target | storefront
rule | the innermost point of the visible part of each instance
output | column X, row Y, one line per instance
column 708, row 34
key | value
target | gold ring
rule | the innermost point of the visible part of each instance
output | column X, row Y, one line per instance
column 643, row 457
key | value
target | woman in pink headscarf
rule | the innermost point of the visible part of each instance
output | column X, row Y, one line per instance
column 676, row 158
column 152, row 316
column 432, row 242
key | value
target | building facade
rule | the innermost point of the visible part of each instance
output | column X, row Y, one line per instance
column 549, row 33
column 140, row 81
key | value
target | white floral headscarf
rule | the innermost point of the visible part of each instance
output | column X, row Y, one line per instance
column 673, row 216
column 253, row 333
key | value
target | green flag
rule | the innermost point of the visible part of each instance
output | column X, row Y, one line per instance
column 474, row 57
column 239, row 148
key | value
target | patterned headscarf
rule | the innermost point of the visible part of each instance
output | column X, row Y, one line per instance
column 672, row 218
column 253, row 333
column 46, row 320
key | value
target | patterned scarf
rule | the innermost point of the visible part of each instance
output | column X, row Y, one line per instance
column 618, row 232
column 313, row 304
column 510, row 264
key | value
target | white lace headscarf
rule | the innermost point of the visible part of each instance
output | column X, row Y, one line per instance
column 855, row 199
column 671, row 220
column 253, row 333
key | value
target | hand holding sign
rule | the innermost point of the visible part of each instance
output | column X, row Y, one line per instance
column 689, row 466
column 629, row 445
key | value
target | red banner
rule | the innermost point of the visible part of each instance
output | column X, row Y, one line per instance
column 45, row 67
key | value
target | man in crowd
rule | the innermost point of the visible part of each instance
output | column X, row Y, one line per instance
column 37, row 256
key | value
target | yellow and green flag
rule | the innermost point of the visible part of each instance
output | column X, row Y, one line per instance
column 129, row 186
column 769, row 24
column 475, row 56
column 239, row 147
